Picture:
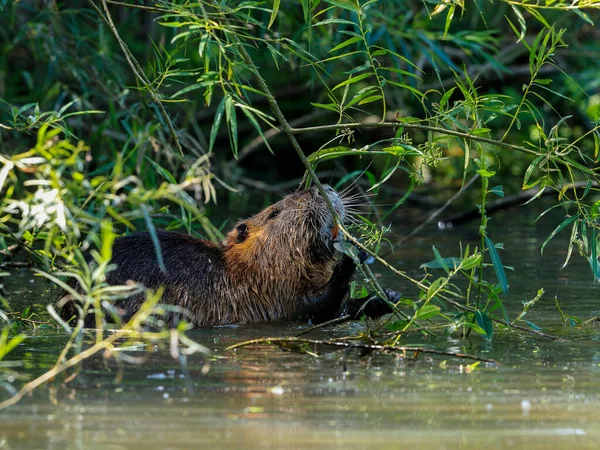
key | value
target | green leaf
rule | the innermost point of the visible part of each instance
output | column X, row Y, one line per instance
column 446, row 97
column 434, row 287
column 471, row 261
column 347, row 249
column 595, row 210
column 172, row 24
column 427, row 312
column 216, row 124
column 248, row 113
column 336, row 21
column 532, row 325
column 154, row 238
column 401, row 72
column 363, row 93
column 330, row 106
column 583, row 15
column 345, row 43
column 497, row 263
column 372, row 98
column 449, row 17
column 565, row 223
column 231, row 120
column 274, row 12
column 397, row 325
column 522, row 23
column 486, row 173
column 416, row 92
column 359, row 69
column 497, row 190
column 353, row 80
column 440, row 260
column 164, row 172
column 484, row 322
column 530, row 170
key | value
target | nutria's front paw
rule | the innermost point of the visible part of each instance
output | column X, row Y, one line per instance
column 362, row 255
column 392, row 296
column 377, row 306
column 372, row 307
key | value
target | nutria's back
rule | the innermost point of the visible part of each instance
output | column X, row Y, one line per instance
column 278, row 264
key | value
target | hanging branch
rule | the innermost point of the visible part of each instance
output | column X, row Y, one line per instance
column 137, row 69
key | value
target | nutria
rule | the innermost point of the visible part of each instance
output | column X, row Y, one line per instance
column 278, row 264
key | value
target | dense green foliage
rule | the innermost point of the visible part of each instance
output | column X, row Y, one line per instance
column 116, row 116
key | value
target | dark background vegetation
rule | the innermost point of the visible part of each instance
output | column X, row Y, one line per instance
column 53, row 53
column 150, row 113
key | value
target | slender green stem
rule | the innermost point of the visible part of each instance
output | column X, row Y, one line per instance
column 287, row 129
column 482, row 230
column 514, row 117
column 415, row 126
column 372, row 62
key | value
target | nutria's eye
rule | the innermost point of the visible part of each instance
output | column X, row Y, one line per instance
column 273, row 214
column 242, row 230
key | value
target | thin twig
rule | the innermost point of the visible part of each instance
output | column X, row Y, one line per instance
column 137, row 69
column 335, row 321
column 512, row 200
column 424, row 288
column 255, row 143
column 375, row 347
column 287, row 129
column 440, row 210
column 415, row 126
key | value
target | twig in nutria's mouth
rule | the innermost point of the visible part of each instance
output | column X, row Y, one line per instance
column 335, row 321
column 373, row 347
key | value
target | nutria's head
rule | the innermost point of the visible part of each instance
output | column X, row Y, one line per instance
column 297, row 230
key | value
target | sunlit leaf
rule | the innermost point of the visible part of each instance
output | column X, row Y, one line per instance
column 565, row 223
column 274, row 12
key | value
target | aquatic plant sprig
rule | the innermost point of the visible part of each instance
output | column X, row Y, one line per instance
column 132, row 330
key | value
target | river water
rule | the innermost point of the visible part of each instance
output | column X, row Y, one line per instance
column 542, row 394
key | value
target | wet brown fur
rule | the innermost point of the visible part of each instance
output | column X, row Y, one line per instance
column 278, row 264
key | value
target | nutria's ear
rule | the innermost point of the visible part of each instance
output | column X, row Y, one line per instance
column 273, row 214
column 242, row 232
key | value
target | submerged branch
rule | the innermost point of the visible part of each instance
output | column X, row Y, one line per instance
column 372, row 347
column 335, row 321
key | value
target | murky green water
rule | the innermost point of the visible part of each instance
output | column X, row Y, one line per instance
column 543, row 394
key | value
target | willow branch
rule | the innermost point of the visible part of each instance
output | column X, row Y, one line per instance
column 285, row 126
column 425, row 288
column 136, row 69
column 416, row 126
column 142, row 7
